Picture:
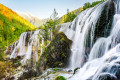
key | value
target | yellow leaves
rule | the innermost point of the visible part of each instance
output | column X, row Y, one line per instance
column 6, row 12
column 5, row 46
column 1, row 63
column 12, row 15
column 2, row 69
column 5, row 68
column 81, row 9
column 13, row 29
column 63, row 18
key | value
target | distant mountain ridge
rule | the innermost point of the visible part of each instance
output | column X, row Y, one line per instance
column 32, row 19
column 38, row 22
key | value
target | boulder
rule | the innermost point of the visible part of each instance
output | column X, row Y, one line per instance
column 56, row 54
column 106, row 76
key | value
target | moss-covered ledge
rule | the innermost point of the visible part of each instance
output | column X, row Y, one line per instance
column 56, row 54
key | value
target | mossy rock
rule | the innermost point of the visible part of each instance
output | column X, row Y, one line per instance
column 60, row 78
column 27, row 75
column 55, row 69
column 56, row 54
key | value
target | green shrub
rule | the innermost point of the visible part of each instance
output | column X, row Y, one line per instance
column 1, row 56
column 60, row 78
column 55, row 69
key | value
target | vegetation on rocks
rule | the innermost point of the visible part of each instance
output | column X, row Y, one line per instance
column 70, row 16
column 60, row 78
column 56, row 54
column 49, row 28
column 27, row 75
column 7, row 67
column 76, row 70
column 89, row 5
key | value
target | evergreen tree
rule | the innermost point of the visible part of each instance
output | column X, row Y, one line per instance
column 54, row 15
column 70, row 16
column 86, row 5
column 50, row 26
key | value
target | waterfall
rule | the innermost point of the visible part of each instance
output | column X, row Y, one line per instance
column 95, row 34
column 28, row 46
column 96, row 42
column 65, row 27
column 96, row 55
column 84, row 23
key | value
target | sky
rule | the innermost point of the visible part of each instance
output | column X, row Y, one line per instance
column 44, row 8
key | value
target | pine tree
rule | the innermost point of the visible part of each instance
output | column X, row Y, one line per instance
column 50, row 26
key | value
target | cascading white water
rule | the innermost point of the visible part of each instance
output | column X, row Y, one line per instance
column 98, row 49
column 67, row 30
column 104, row 57
column 28, row 45
column 84, row 22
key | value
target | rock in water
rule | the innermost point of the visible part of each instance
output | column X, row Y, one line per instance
column 107, row 76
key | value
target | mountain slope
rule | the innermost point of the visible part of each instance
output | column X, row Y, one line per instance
column 11, row 26
column 77, row 11
column 32, row 19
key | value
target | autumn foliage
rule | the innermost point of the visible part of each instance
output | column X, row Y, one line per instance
column 11, row 27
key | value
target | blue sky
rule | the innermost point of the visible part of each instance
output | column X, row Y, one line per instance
column 44, row 8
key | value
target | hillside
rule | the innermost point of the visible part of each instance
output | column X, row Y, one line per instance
column 32, row 19
column 75, row 12
column 11, row 27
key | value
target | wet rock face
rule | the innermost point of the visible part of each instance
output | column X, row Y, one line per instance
column 104, row 23
column 27, row 75
column 109, row 72
column 27, row 38
column 10, row 48
column 107, row 77
column 56, row 54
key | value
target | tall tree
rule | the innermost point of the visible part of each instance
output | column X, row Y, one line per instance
column 86, row 5
column 53, row 22
column 70, row 16
column 54, row 15
column 50, row 26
